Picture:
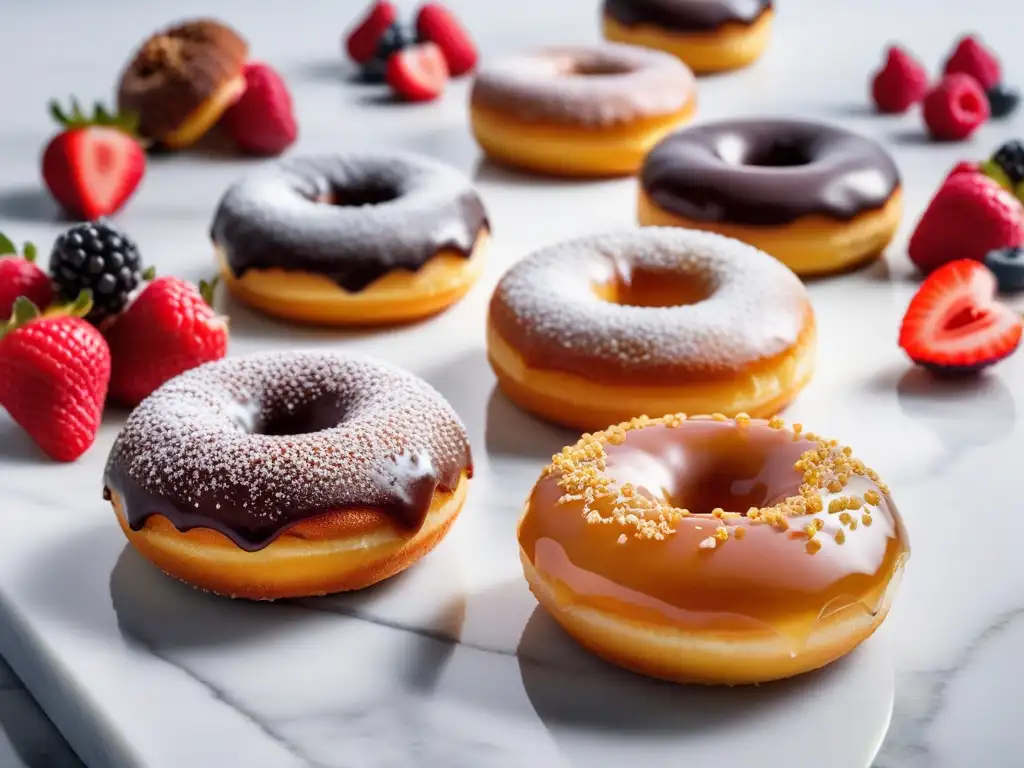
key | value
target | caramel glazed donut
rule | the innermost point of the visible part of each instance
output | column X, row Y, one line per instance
column 583, row 111
column 710, row 550
column 182, row 80
column 288, row 475
column 709, row 35
column 601, row 329
column 818, row 198
column 351, row 239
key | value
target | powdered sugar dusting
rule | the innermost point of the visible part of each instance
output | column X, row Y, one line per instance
column 589, row 85
column 208, row 442
column 547, row 308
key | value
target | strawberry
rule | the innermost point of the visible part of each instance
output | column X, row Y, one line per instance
column 362, row 40
column 418, row 73
column 169, row 328
column 261, row 121
column 964, row 166
column 54, row 373
column 970, row 57
column 94, row 164
column 436, row 24
column 954, row 324
column 969, row 216
column 19, row 276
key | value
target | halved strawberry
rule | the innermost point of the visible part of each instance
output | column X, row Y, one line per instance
column 362, row 40
column 418, row 73
column 954, row 323
column 95, row 163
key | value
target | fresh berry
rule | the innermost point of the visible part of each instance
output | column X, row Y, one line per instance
column 54, row 372
column 955, row 108
column 396, row 38
column 968, row 217
column 20, row 276
column 972, row 58
column 418, row 73
column 1003, row 100
column 900, row 83
column 168, row 329
column 100, row 258
column 1006, row 166
column 262, row 122
column 955, row 325
column 436, row 24
column 362, row 40
column 95, row 163
column 964, row 167
column 1007, row 264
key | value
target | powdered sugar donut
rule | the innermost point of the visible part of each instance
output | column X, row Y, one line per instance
column 601, row 329
column 580, row 111
column 352, row 238
column 289, row 474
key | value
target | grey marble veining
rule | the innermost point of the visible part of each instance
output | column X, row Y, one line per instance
column 452, row 664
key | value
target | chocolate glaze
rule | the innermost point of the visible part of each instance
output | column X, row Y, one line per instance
column 685, row 15
column 768, row 172
column 252, row 446
column 353, row 218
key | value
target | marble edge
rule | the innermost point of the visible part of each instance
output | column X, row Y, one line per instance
column 52, row 692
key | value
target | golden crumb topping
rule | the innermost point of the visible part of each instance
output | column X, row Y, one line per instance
column 826, row 466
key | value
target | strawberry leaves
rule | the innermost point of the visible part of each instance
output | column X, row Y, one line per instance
column 127, row 122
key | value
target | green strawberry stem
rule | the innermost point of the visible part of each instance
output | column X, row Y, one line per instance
column 149, row 273
column 128, row 122
column 207, row 289
column 8, row 248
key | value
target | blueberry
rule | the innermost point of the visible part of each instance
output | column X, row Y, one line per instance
column 395, row 38
column 1007, row 264
column 1003, row 100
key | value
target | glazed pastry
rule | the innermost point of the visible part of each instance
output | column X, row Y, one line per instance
column 584, row 111
column 601, row 329
column 182, row 80
column 818, row 198
column 351, row 239
column 709, row 35
column 286, row 475
column 708, row 550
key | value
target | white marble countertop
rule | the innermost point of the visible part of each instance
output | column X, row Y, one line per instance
column 451, row 665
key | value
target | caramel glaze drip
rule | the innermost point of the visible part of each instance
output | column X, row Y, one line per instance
column 686, row 15
column 742, row 557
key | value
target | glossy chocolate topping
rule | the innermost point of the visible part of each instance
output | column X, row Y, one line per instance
column 768, row 172
column 649, row 542
column 251, row 446
column 353, row 218
column 685, row 15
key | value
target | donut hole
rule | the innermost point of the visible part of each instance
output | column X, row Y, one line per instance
column 776, row 153
column 306, row 418
column 596, row 68
column 651, row 288
column 369, row 193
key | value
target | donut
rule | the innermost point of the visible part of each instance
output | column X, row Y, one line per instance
column 351, row 239
column 818, row 198
column 580, row 111
column 288, row 474
column 709, row 35
column 601, row 329
column 182, row 80
column 712, row 550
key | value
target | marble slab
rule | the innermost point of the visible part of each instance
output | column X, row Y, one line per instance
column 452, row 664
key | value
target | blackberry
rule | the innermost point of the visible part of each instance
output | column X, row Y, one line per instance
column 1010, row 158
column 99, row 257
column 1003, row 100
column 397, row 37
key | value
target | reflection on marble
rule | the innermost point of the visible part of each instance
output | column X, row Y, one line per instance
column 27, row 737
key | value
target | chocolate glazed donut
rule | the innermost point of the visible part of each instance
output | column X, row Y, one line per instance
column 817, row 197
column 708, row 35
column 349, row 221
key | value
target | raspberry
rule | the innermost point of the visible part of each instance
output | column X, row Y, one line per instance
column 900, row 83
column 955, row 108
column 972, row 58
